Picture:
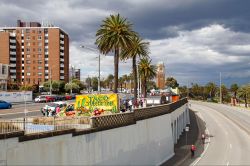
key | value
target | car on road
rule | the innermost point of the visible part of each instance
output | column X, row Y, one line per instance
column 40, row 99
column 51, row 108
column 5, row 105
column 68, row 97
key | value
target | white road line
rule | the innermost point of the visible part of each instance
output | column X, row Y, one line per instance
column 208, row 143
column 230, row 146
column 227, row 163
column 18, row 113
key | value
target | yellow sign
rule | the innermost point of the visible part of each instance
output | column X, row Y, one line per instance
column 107, row 102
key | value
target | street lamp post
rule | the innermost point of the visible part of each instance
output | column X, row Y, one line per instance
column 99, row 66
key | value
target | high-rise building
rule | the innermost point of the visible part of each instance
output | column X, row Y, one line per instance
column 160, row 77
column 4, row 72
column 35, row 53
column 75, row 73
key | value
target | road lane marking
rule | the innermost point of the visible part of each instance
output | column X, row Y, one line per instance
column 230, row 146
column 208, row 143
column 18, row 113
column 227, row 163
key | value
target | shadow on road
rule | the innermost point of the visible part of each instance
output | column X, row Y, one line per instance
column 182, row 150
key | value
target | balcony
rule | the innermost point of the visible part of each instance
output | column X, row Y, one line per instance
column 46, row 47
column 13, row 71
column 12, row 53
column 61, row 42
column 62, row 53
column 22, row 65
column 46, row 71
column 46, row 41
column 13, row 76
column 46, row 65
column 46, row 77
column 22, row 41
column 22, row 34
column 46, row 59
column 22, row 71
column 12, row 34
column 13, row 59
column 12, row 65
column 61, row 77
column 61, row 71
column 46, row 53
column 61, row 60
column 12, row 41
column 22, row 53
column 61, row 65
column 22, row 47
column 12, row 47
column 22, row 59
column 46, row 34
column 22, row 76
column 61, row 36
column 61, row 48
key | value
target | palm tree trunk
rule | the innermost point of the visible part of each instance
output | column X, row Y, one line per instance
column 145, row 88
column 135, row 77
column 245, row 100
column 116, row 65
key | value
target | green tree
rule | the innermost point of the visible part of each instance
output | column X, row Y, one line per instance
column 75, row 88
column 110, row 80
column 224, row 93
column 147, row 72
column 234, row 88
column 244, row 92
column 114, row 35
column 171, row 82
column 94, row 83
column 211, row 89
column 139, row 49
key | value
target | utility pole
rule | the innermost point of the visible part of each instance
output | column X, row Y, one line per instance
column 220, row 90
column 99, row 73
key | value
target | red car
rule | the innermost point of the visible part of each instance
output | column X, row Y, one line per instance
column 50, row 98
column 68, row 97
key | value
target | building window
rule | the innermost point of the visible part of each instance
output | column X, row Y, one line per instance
column 39, row 44
column 27, row 37
column 39, row 31
column 27, row 61
column 39, row 74
column 27, row 50
column 39, row 37
column 39, row 56
column 27, row 30
column 39, row 80
column 33, row 31
column 28, row 67
column 39, row 50
column 28, row 44
column 28, row 74
column 39, row 67
column 39, row 62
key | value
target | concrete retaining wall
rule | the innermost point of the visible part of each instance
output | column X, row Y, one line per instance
column 148, row 142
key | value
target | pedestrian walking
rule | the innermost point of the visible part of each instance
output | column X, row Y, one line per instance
column 130, row 103
column 193, row 149
column 203, row 138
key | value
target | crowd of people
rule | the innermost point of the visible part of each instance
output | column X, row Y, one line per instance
column 130, row 104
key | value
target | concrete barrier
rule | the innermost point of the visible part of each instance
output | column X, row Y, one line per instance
column 147, row 142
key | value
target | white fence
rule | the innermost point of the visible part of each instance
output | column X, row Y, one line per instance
column 16, row 96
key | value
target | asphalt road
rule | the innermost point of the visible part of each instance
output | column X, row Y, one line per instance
column 228, row 129
column 17, row 110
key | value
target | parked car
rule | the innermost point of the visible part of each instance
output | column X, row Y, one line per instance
column 68, row 97
column 50, row 109
column 40, row 99
column 5, row 105
column 50, row 98
column 60, row 98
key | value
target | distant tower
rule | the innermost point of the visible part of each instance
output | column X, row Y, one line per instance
column 160, row 78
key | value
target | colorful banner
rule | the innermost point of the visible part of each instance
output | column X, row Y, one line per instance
column 92, row 102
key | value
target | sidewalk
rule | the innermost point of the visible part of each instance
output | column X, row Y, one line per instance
column 182, row 151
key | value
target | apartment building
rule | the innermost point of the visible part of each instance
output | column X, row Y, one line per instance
column 35, row 53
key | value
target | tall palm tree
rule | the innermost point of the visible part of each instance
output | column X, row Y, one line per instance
column 234, row 88
column 114, row 35
column 147, row 72
column 244, row 92
column 139, row 48
column 110, row 79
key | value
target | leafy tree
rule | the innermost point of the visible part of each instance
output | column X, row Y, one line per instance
column 234, row 88
column 171, row 82
column 139, row 48
column 224, row 93
column 211, row 89
column 75, row 88
column 94, row 83
column 244, row 92
column 26, row 88
column 114, row 35
column 110, row 79
column 147, row 72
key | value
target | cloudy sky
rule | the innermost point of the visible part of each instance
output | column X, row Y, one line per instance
column 196, row 39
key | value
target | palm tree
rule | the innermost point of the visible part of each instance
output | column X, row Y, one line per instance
column 234, row 88
column 114, row 35
column 139, row 48
column 110, row 79
column 147, row 72
column 244, row 92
